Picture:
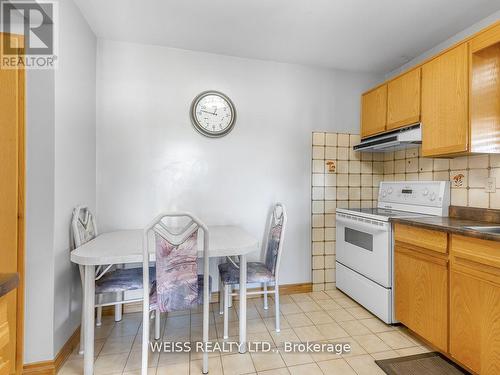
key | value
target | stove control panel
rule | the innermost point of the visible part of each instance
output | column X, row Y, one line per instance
column 432, row 197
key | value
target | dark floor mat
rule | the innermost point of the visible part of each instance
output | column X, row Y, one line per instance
column 421, row 364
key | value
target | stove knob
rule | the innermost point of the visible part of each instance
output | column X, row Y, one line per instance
column 389, row 191
column 426, row 192
column 432, row 197
column 383, row 193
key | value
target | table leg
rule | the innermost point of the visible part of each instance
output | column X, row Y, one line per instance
column 89, row 299
column 243, row 303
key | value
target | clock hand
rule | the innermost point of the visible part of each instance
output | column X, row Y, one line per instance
column 202, row 110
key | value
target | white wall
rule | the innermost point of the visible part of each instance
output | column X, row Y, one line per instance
column 60, row 174
column 447, row 43
column 75, row 153
column 150, row 159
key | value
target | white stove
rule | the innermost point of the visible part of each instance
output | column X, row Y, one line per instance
column 365, row 243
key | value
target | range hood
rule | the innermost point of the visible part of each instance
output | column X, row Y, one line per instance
column 394, row 140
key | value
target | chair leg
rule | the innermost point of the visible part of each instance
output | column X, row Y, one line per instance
column 266, row 306
column 221, row 297
column 230, row 296
column 119, row 307
column 226, row 311
column 277, row 304
column 98, row 320
column 157, row 323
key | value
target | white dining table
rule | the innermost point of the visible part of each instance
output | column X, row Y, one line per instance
column 125, row 246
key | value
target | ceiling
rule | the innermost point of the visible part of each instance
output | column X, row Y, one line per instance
column 357, row 35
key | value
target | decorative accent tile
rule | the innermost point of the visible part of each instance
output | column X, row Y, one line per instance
column 458, row 179
column 330, row 166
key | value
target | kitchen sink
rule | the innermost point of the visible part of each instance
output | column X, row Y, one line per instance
column 490, row 229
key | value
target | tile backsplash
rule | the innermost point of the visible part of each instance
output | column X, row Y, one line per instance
column 344, row 178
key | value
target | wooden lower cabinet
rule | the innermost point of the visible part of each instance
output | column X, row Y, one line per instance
column 421, row 293
column 475, row 304
column 5, row 334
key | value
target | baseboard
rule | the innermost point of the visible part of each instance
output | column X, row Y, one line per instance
column 285, row 289
column 39, row 368
column 52, row 367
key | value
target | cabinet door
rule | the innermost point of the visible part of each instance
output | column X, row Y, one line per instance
column 475, row 304
column 421, row 294
column 403, row 100
column 445, row 103
column 373, row 111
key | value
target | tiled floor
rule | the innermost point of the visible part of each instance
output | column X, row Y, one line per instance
column 319, row 316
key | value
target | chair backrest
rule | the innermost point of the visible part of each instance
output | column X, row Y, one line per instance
column 176, row 251
column 275, row 235
column 83, row 226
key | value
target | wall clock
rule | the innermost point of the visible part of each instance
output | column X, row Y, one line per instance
column 213, row 114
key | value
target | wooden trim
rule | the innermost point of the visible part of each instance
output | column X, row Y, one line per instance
column 402, row 123
column 52, row 367
column 72, row 343
column 39, row 368
column 21, row 221
column 285, row 289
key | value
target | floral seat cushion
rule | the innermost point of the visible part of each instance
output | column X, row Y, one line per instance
column 153, row 298
column 122, row 279
column 257, row 272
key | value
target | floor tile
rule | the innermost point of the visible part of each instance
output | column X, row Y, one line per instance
column 319, row 317
column 364, row 365
column 340, row 315
column 279, row 371
column 110, row 364
column 354, row 328
column 214, row 366
column 336, row 367
column 310, row 333
column 298, row 320
column 372, row 343
column 309, row 369
column 283, row 336
column 176, row 368
column 267, row 361
column 115, row 345
column 376, row 325
column 395, row 340
column 236, row 364
column 296, row 358
column 332, row 330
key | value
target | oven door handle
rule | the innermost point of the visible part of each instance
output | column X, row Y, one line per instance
column 357, row 224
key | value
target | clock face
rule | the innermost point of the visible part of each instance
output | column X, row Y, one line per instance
column 213, row 114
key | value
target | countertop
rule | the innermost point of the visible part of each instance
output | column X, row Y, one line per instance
column 8, row 282
column 450, row 224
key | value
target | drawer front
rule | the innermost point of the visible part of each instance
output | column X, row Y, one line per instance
column 425, row 238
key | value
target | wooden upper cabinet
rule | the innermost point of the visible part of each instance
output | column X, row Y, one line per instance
column 373, row 111
column 445, row 122
column 403, row 100
column 485, row 91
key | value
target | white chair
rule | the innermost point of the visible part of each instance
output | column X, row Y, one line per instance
column 178, row 284
column 109, row 280
column 265, row 272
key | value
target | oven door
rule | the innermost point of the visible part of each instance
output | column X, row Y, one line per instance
column 364, row 245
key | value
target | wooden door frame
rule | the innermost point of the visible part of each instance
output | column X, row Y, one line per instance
column 21, row 192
